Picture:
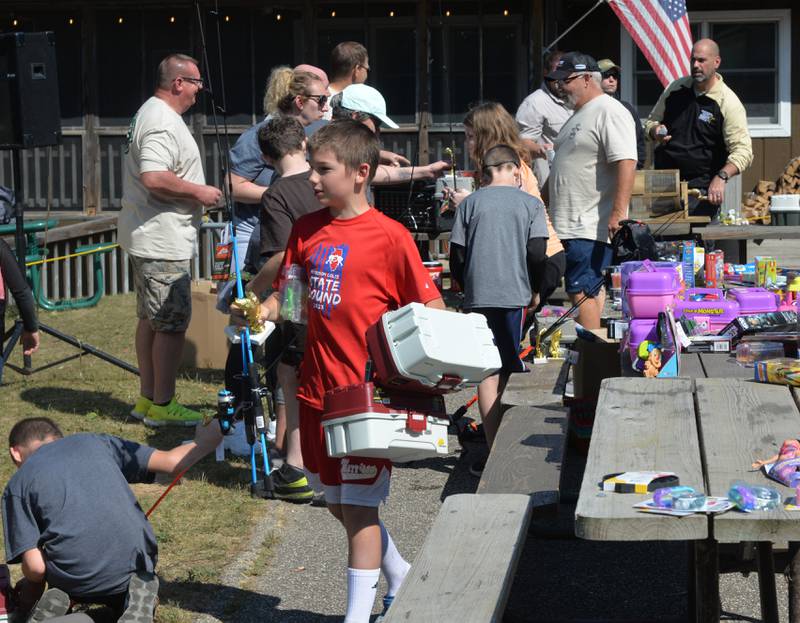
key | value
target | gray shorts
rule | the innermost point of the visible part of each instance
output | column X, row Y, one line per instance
column 163, row 293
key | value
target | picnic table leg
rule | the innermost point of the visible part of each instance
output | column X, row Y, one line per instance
column 706, row 579
column 766, row 583
column 793, row 578
column 692, row 575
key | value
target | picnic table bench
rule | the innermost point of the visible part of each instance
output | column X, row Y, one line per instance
column 466, row 566
column 708, row 431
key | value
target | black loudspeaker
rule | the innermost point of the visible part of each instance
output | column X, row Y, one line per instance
column 30, row 115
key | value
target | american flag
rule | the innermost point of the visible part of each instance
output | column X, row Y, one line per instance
column 661, row 30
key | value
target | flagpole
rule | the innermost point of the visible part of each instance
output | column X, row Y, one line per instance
column 567, row 31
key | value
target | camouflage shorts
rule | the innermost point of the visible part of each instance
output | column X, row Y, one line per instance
column 163, row 293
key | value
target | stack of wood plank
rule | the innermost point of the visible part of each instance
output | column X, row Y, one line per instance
column 756, row 207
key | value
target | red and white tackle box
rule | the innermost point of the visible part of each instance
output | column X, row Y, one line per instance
column 418, row 354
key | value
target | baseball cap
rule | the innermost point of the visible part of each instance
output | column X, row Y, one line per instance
column 606, row 64
column 363, row 98
column 572, row 62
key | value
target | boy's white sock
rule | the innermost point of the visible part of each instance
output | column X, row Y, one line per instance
column 393, row 565
column 362, row 585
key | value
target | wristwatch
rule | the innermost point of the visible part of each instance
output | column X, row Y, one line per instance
column 723, row 175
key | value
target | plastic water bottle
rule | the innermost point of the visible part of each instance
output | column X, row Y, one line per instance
column 294, row 294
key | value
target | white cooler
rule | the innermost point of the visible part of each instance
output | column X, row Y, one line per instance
column 420, row 349
column 418, row 354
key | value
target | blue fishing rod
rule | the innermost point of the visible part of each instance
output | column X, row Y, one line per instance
column 251, row 399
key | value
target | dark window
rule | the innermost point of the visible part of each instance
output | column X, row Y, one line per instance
column 119, row 66
column 235, row 30
column 274, row 43
column 393, row 70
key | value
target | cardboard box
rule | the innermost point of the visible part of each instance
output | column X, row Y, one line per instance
column 598, row 359
column 206, row 345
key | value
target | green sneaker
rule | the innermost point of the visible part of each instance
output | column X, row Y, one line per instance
column 291, row 485
column 173, row 414
column 141, row 408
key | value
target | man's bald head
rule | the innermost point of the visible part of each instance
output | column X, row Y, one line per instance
column 704, row 62
column 173, row 66
column 708, row 47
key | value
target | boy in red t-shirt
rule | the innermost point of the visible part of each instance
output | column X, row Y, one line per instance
column 358, row 264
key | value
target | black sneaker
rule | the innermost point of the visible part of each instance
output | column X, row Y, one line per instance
column 53, row 603
column 142, row 598
column 476, row 469
column 291, row 484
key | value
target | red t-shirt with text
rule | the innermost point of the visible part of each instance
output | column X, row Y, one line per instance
column 357, row 269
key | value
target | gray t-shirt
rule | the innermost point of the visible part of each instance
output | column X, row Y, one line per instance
column 494, row 225
column 583, row 177
column 71, row 498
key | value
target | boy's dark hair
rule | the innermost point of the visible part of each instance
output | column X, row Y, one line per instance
column 351, row 142
column 33, row 429
column 281, row 135
column 500, row 155
column 345, row 57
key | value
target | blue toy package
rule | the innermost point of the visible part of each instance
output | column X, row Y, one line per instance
column 687, row 263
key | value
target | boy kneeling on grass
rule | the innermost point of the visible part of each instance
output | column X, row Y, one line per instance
column 358, row 264
column 497, row 245
column 72, row 521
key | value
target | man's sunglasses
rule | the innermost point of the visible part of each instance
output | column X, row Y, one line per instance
column 195, row 81
column 611, row 73
column 571, row 78
column 321, row 100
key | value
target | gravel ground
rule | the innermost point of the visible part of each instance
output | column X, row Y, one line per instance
column 294, row 570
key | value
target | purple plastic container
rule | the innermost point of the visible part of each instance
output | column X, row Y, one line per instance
column 629, row 268
column 641, row 329
column 651, row 291
column 754, row 300
column 719, row 312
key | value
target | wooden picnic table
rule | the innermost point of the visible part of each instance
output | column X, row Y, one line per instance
column 743, row 233
column 708, row 431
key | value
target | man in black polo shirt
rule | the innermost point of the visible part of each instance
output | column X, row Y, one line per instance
column 700, row 127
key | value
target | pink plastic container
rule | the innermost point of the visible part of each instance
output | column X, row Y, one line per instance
column 650, row 292
column 629, row 268
column 754, row 300
column 641, row 329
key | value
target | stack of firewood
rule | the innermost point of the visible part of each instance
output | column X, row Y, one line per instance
column 756, row 207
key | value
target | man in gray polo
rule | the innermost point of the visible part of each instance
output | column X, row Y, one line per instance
column 541, row 116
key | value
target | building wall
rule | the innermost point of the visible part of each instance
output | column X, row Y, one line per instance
column 599, row 35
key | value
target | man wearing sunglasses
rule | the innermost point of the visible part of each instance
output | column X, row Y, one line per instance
column 540, row 117
column 590, row 180
column 610, row 83
column 349, row 65
column 164, row 192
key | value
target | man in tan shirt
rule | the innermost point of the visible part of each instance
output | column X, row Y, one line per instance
column 700, row 127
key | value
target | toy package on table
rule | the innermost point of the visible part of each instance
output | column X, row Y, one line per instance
column 757, row 323
column 715, row 269
column 766, row 271
column 783, row 371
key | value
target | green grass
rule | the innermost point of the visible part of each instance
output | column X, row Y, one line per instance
column 203, row 523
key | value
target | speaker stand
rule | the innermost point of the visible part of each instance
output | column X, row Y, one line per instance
column 14, row 334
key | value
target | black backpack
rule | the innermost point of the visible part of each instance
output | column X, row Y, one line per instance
column 633, row 242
